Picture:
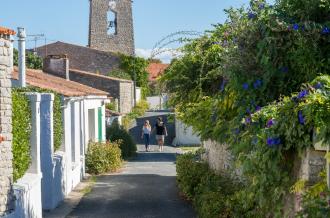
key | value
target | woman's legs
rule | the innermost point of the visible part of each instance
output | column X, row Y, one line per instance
column 146, row 141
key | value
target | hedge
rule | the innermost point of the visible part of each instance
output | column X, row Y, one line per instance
column 21, row 123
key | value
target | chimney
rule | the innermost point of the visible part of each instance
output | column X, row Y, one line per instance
column 21, row 56
column 57, row 65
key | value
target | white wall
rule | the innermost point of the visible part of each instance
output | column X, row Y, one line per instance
column 138, row 94
column 184, row 134
column 157, row 102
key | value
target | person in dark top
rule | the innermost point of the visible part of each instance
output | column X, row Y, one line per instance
column 161, row 132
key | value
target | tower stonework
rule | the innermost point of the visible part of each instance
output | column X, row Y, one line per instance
column 111, row 26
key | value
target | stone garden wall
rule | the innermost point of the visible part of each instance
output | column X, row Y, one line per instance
column 6, row 170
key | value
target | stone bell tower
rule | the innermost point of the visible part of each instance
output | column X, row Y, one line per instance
column 111, row 26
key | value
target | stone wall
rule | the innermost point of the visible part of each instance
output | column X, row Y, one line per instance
column 6, row 170
column 123, row 40
column 117, row 88
column 83, row 58
column 306, row 167
column 218, row 157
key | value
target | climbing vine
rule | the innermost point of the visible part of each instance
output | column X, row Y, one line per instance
column 21, row 122
column 230, row 85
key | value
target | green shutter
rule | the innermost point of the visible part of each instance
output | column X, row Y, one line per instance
column 100, row 124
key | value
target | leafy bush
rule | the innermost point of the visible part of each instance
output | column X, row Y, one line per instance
column 138, row 111
column 32, row 61
column 209, row 192
column 21, row 124
column 116, row 133
column 230, row 85
column 57, row 113
column 103, row 157
column 119, row 74
column 111, row 106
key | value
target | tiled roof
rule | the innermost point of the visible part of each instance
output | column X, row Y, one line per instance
column 43, row 80
column 83, row 58
column 155, row 70
column 5, row 31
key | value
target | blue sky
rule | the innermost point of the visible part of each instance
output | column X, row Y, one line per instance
column 67, row 20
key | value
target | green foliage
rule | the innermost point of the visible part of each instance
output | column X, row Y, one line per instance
column 57, row 113
column 21, row 124
column 32, row 61
column 120, row 74
column 231, row 82
column 138, row 111
column 103, row 158
column 118, row 134
column 136, row 68
column 211, row 193
column 111, row 106
column 315, row 201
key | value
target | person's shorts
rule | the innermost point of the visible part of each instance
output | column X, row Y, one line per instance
column 160, row 137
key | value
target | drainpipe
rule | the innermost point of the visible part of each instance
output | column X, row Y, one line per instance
column 21, row 56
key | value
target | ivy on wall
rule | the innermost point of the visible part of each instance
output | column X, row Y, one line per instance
column 57, row 114
column 21, row 123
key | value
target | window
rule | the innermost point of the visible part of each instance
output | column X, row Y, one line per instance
column 112, row 22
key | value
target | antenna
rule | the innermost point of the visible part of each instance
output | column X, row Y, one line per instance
column 36, row 37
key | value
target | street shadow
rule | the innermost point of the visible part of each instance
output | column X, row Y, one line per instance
column 141, row 195
column 154, row 157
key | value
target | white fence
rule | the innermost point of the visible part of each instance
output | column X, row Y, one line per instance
column 53, row 175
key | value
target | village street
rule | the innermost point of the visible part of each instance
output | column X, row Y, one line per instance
column 145, row 187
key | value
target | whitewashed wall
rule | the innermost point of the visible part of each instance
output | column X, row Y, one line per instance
column 138, row 92
column 157, row 102
column 184, row 134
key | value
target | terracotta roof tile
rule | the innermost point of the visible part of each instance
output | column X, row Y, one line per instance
column 155, row 70
column 5, row 31
column 67, row 88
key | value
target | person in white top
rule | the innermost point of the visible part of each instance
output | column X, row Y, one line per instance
column 146, row 130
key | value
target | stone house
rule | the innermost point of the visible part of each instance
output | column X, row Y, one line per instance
column 120, row 89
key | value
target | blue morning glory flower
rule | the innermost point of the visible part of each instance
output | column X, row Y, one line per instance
column 257, row 83
column 270, row 141
column 318, row 85
column 248, row 111
column 301, row 118
column 245, row 86
column 261, row 6
column 273, row 141
column 284, row 69
column 237, row 131
column 258, row 108
column 325, row 30
column 302, row 94
column 251, row 15
column 270, row 123
column 248, row 120
column 295, row 27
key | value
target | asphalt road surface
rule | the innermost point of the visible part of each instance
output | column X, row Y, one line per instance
column 145, row 188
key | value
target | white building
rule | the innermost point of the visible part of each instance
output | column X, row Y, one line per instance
column 83, row 121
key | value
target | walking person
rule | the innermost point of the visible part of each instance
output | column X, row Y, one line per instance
column 146, row 130
column 161, row 132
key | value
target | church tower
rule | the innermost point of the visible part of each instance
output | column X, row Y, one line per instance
column 111, row 26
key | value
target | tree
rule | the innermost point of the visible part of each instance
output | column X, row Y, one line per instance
column 32, row 61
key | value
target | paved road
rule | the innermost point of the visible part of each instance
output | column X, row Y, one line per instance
column 145, row 188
